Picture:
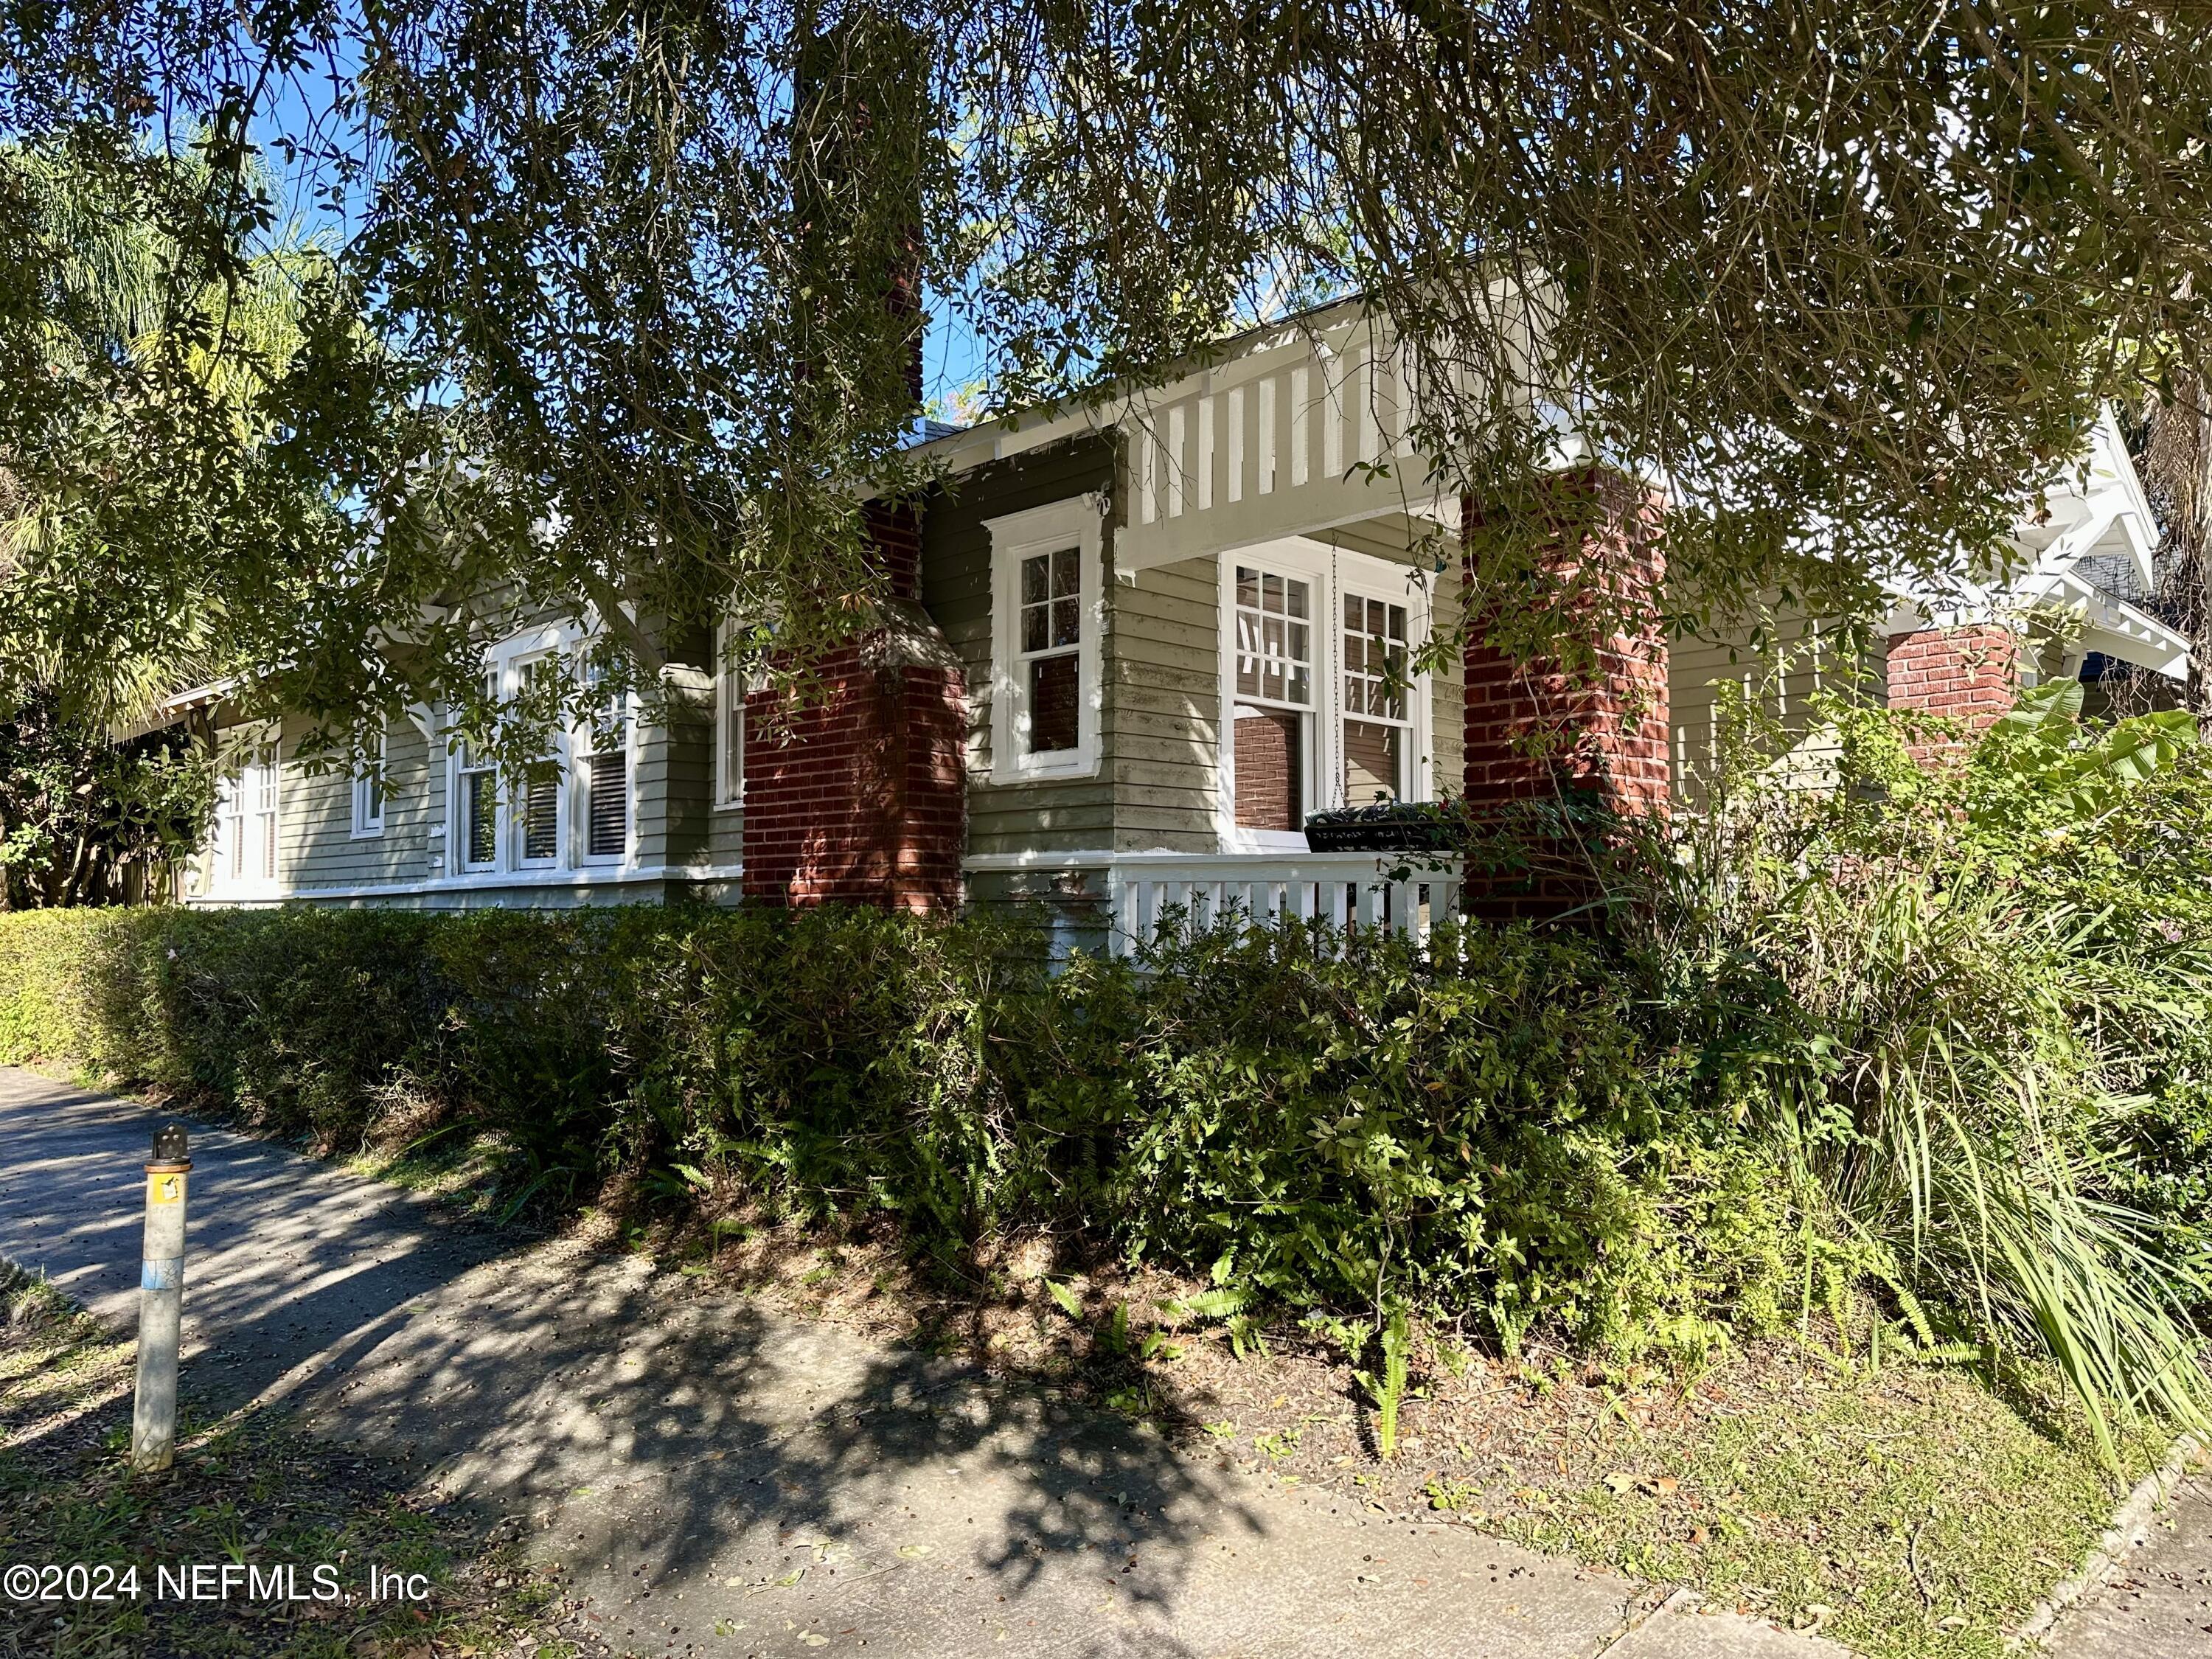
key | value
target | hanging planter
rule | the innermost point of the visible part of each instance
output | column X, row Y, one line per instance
column 1387, row 826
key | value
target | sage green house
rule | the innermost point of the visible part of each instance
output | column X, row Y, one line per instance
column 1129, row 651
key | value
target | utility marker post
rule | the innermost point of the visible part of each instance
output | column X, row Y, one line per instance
column 160, row 1304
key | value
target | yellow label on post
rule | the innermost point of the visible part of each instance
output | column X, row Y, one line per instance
column 165, row 1189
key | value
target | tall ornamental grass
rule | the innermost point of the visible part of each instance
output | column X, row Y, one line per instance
column 1958, row 996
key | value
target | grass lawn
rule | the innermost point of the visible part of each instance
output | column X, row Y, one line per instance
column 246, row 1491
column 1911, row 1511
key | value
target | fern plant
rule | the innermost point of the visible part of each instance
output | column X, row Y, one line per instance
column 1388, row 1390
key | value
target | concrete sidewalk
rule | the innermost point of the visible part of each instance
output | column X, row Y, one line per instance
column 721, row 1478
column 2158, row 1600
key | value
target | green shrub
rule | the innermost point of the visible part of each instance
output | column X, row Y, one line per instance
column 842, row 1060
column 45, row 1007
column 1486, row 1134
column 1932, row 1043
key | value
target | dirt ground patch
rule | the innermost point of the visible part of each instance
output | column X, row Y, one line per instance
column 1907, row 1509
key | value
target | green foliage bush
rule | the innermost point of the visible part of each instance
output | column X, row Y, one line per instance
column 1963, row 994
column 1935, row 1045
column 1485, row 1134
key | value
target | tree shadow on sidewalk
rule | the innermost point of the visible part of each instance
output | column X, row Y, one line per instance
column 709, row 1443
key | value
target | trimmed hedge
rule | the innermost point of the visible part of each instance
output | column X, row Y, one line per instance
column 1491, row 1138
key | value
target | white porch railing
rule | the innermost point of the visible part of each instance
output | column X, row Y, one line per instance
column 1349, row 892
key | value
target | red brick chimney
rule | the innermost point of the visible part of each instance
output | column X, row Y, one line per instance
column 859, row 795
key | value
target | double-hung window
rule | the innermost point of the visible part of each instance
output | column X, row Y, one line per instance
column 262, row 777
column 1047, row 655
column 603, row 741
column 1324, row 708
column 1046, row 609
column 369, row 753
column 243, row 851
column 729, row 729
column 537, row 829
column 569, row 801
column 476, row 800
column 227, row 857
column 1274, row 740
column 567, row 805
column 1378, row 725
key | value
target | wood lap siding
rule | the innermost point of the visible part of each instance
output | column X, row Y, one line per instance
column 1446, row 693
column 674, row 789
column 1162, row 670
column 1698, row 663
column 1054, row 815
column 314, row 817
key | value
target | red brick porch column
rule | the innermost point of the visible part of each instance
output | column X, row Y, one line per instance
column 859, row 796
column 1544, row 729
column 1536, row 728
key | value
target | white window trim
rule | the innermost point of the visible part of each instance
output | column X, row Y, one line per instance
column 1333, row 571
column 1014, row 537
column 457, row 838
column 506, row 661
column 368, row 824
column 225, row 852
column 730, row 690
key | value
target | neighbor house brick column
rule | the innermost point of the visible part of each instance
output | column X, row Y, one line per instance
column 858, row 795
column 1597, row 728
column 1970, row 674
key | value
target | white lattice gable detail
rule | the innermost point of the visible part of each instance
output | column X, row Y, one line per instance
column 1296, row 429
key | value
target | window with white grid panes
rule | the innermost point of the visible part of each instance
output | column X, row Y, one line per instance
column 229, row 861
column 536, row 828
column 475, row 792
column 1049, row 659
column 1272, row 742
column 1046, row 568
column 243, row 851
column 262, row 777
column 729, row 726
column 1377, row 744
column 370, row 747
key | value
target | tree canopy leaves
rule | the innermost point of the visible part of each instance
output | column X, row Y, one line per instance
column 619, row 294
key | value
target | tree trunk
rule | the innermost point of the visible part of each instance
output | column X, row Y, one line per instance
column 2176, row 475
